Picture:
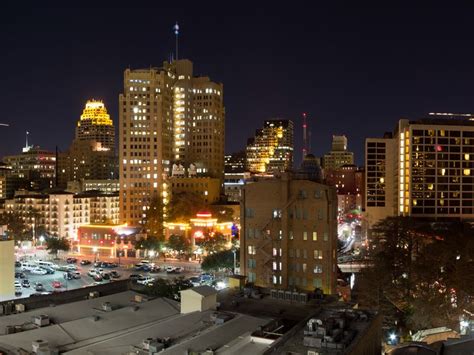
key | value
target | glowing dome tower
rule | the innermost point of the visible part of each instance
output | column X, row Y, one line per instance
column 96, row 125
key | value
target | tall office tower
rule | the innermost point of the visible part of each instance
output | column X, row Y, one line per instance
column 92, row 152
column 271, row 150
column 289, row 231
column 432, row 167
column 167, row 117
column 339, row 155
column 96, row 125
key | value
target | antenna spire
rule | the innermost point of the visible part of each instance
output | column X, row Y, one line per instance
column 176, row 32
column 27, row 134
column 305, row 136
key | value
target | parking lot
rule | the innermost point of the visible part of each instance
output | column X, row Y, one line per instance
column 57, row 283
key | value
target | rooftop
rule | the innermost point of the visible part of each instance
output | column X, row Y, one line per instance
column 119, row 324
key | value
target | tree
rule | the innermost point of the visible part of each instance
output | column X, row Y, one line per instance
column 150, row 243
column 168, row 289
column 213, row 243
column 221, row 260
column 185, row 205
column 423, row 269
column 17, row 228
column 154, row 218
column 179, row 244
column 54, row 245
column 222, row 213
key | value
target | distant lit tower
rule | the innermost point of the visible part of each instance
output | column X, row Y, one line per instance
column 96, row 125
column 176, row 32
column 305, row 136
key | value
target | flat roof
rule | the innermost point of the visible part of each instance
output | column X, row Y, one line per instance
column 84, row 327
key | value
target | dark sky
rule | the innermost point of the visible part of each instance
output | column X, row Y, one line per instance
column 355, row 70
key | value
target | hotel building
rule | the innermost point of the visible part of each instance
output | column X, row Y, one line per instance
column 167, row 116
column 426, row 169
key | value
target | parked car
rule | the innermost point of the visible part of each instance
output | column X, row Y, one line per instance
column 20, row 275
column 86, row 262
column 134, row 277
column 49, row 270
column 145, row 280
column 98, row 263
column 94, row 272
column 28, row 266
column 114, row 274
column 56, row 284
column 97, row 277
column 196, row 281
column 17, row 264
column 170, row 269
column 18, row 291
column 105, row 276
column 71, row 260
column 43, row 263
column 113, row 265
column 178, row 269
column 71, row 275
column 17, row 283
column 39, row 287
column 38, row 271
column 25, row 283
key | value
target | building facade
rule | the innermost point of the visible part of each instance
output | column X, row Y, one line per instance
column 92, row 152
column 7, row 269
column 34, row 166
column 206, row 187
column 339, row 155
column 349, row 183
column 106, row 186
column 167, row 116
column 289, row 234
column 62, row 213
column 430, row 163
column 271, row 150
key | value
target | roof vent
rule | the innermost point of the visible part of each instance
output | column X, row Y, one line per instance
column 95, row 318
column 107, row 306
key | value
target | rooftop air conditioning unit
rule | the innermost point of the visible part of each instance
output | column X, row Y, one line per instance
column 94, row 294
column 107, row 306
column 39, row 345
column 41, row 320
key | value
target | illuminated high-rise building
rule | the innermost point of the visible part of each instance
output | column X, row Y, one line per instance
column 339, row 155
column 271, row 150
column 96, row 125
column 92, row 153
column 426, row 169
column 167, row 117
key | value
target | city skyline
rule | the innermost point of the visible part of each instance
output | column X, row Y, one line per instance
column 353, row 74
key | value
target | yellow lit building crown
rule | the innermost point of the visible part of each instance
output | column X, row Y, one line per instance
column 95, row 112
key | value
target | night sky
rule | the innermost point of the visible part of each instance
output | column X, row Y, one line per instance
column 355, row 70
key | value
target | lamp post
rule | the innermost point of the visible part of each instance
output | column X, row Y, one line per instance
column 94, row 250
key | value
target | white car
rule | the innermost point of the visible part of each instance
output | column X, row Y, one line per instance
column 17, row 284
column 170, row 269
column 146, row 280
column 38, row 271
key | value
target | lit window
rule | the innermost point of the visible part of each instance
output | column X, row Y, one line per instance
column 315, row 236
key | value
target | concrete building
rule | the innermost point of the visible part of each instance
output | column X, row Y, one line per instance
column 271, row 150
column 34, row 166
column 339, row 155
column 92, row 152
column 233, row 185
column 167, row 116
column 380, row 179
column 7, row 269
column 289, row 231
column 425, row 170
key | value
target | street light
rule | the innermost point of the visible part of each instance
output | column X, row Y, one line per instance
column 41, row 240
column 94, row 250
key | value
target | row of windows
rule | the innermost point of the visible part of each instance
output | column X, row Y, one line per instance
column 255, row 233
